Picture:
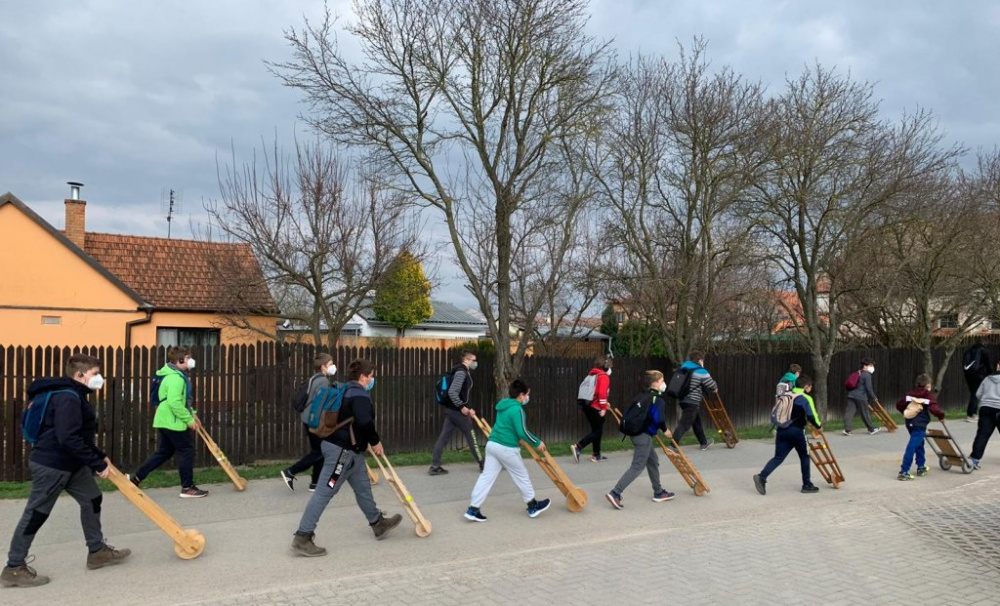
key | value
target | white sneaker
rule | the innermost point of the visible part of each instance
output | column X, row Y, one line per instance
column 874, row 431
column 972, row 419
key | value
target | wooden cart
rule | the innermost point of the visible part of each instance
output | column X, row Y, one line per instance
column 681, row 462
column 947, row 449
column 421, row 524
column 238, row 481
column 720, row 418
column 882, row 415
column 822, row 457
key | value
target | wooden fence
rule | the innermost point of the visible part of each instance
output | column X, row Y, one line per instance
column 243, row 393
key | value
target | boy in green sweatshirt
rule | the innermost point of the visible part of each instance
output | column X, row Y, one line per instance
column 503, row 451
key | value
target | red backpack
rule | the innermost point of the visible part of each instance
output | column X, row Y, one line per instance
column 852, row 380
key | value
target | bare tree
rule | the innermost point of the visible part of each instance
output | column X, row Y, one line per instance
column 833, row 164
column 673, row 169
column 324, row 237
column 472, row 105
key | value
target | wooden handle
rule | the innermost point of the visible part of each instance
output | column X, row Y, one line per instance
column 238, row 481
column 421, row 524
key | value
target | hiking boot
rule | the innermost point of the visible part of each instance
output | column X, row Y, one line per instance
column 706, row 444
column 22, row 576
column 598, row 458
column 874, row 431
column 384, row 525
column 193, row 492
column 846, row 432
column 904, row 476
column 535, row 508
column 576, row 452
column 473, row 514
column 303, row 545
column 437, row 471
column 135, row 481
column 312, row 488
column 760, row 484
column 922, row 471
column 809, row 488
column 289, row 479
column 662, row 495
column 106, row 556
column 615, row 499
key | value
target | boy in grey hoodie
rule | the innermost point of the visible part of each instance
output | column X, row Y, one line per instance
column 988, row 395
column 859, row 398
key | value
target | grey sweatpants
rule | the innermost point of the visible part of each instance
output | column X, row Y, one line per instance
column 46, row 485
column 861, row 407
column 643, row 457
column 352, row 471
column 453, row 420
column 499, row 457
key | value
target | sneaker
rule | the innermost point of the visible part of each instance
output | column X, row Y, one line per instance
column 706, row 444
column 289, row 479
column 473, row 514
column 535, row 508
column 303, row 545
column 131, row 478
column 598, row 458
column 312, row 488
column 971, row 419
column 22, row 576
column 810, row 488
column 106, row 556
column 975, row 464
column 662, row 495
column 846, row 432
column 874, row 431
column 384, row 525
column 615, row 499
column 760, row 484
column 904, row 476
column 193, row 492
column 922, row 471
column 437, row 471
column 576, row 452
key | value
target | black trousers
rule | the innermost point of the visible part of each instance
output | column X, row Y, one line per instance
column 989, row 421
column 172, row 442
column 973, row 383
column 690, row 420
column 313, row 458
column 596, row 422
column 785, row 441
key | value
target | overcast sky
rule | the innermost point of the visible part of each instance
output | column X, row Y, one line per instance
column 134, row 97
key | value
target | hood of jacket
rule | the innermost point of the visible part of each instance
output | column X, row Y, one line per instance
column 43, row 385
column 789, row 378
column 169, row 369
column 506, row 404
column 689, row 365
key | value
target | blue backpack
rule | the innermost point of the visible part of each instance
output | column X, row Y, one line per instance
column 322, row 414
column 441, row 389
column 154, row 390
column 34, row 414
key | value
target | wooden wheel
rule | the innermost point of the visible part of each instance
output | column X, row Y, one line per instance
column 424, row 528
column 241, row 485
column 699, row 489
column 576, row 500
column 192, row 547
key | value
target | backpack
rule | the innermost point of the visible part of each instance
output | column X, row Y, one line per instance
column 322, row 415
column 441, row 389
column 636, row 418
column 852, row 380
column 781, row 413
column 679, row 384
column 154, row 391
column 301, row 397
column 34, row 414
column 972, row 362
column 588, row 387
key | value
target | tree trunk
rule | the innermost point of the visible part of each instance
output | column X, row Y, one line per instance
column 821, row 391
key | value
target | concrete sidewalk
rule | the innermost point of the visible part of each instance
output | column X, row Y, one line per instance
column 874, row 541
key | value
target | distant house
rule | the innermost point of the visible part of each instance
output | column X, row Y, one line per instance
column 446, row 327
column 74, row 287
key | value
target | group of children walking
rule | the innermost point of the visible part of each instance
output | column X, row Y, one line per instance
column 65, row 456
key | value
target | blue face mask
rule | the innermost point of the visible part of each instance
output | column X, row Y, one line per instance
column 370, row 384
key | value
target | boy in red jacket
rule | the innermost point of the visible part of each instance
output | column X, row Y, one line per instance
column 593, row 399
column 922, row 405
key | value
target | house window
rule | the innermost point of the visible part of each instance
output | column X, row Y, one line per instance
column 52, row 320
column 948, row 321
column 195, row 338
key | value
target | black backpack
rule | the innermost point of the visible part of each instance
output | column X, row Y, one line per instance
column 972, row 361
column 301, row 398
column 680, row 383
column 635, row 420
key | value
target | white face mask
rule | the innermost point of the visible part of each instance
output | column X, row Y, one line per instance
column 190, row 364
column 871, row 370
column 96, row 382
column 473, row 365
column 608, row 372
column 526, row 400
column 662, row 387
column 331, row 370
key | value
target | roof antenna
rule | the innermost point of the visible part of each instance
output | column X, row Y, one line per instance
column 170, row 203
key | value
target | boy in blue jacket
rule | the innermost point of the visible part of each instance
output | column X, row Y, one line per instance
column 793, row 437
column 644, row 456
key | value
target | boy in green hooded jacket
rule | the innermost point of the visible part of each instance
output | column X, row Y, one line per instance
column 503, row 451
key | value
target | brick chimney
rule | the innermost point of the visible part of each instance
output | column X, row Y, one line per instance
column 76, row 210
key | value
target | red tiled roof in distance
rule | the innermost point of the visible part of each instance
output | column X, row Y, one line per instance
column 187, row 275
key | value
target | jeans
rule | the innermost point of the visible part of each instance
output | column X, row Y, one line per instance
column 453, row 420
column 352, row 472
column 172, row 442
column 785, row 441
column 313, row 458
column 47, row 484
column 989, row 421
column 914, row 447
column 596, row 422
column 643, row 457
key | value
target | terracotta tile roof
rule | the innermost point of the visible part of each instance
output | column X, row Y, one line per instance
column 187, row 275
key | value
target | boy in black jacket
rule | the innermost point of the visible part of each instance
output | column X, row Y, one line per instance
column 457, row 413
column 65, row 457
column 793, row 437
column 344, row 461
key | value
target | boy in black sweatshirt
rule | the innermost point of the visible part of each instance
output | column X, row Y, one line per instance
column 64, row 458
column 793, row 437
column 922, row 405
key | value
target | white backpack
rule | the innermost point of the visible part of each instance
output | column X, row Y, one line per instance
column 587, row 388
